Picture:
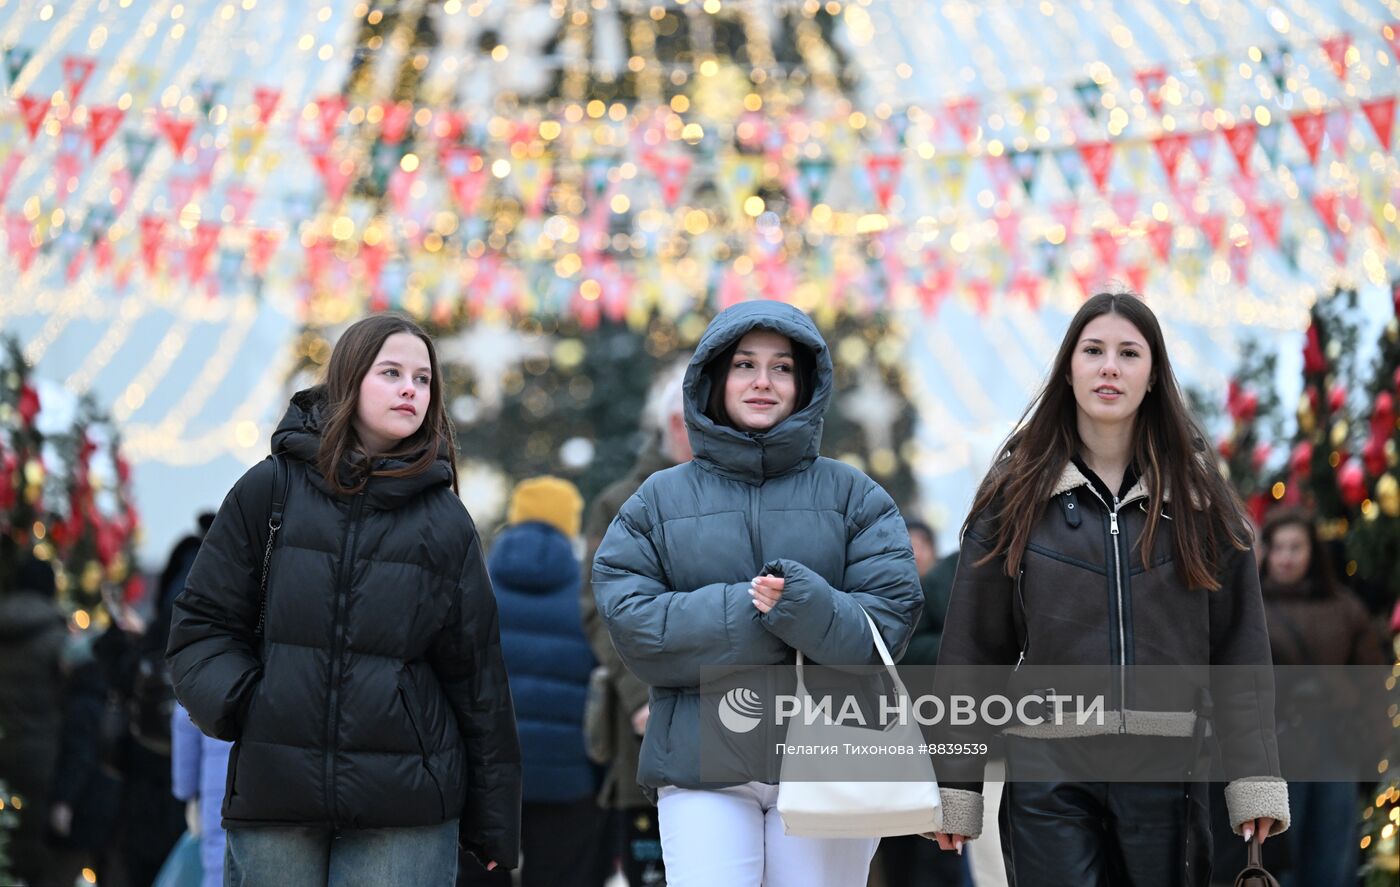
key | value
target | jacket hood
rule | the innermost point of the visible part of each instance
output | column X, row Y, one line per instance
column 298, row 436
column 534, row 558
column 24, row 614
column 796, row 441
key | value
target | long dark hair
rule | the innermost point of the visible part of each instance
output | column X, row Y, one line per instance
column 352, row 358
column 804, row 374
column 1321, row 579
column 1168, row 448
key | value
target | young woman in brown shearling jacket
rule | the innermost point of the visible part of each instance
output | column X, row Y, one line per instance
column 1101, row 538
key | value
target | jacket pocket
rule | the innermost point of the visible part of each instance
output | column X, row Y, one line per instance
column 408, row 700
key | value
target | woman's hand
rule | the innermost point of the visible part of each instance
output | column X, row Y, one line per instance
column 765, row 591
column 950, row 842
column 491, row 866
column 1261, row 827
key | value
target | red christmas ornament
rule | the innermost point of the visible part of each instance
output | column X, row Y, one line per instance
column 1301, row 459
column 1336, row 398
column 1227, row 448
column 1373, row 456
column 1313, row 359
column 1249, row 407
column 135, row 590
column 1383, row 416
column 28, row 405
column 1262, row 451
column 1351, row 482
column 8, row 464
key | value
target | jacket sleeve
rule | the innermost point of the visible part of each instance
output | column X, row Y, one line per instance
column 826, row 624
column 673, row 637
column 212, row 652
column 631, row 692
column 466, row 658
column 185, row 755
column 979, row 630
column 1243, row 697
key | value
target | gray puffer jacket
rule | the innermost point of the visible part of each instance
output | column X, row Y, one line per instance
column 671, row 577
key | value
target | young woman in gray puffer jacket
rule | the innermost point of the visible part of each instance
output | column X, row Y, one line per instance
column 756, row 548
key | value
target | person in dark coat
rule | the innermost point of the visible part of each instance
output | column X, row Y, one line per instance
column 535, row 573
column 32, row 639
column 1315, row 621
column 755, row 549
column 365, row 693
column 1100, row 538
column 638, row 836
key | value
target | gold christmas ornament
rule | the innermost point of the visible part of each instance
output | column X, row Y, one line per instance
column 1388, row 495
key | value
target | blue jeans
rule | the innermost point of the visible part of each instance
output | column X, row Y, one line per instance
column 322, row 857
column 1324, row 834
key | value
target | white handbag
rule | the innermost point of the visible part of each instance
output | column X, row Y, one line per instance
column 903, row 801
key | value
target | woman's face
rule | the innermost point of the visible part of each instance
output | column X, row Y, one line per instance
column 394, row 394
column 1289, row 554
column 761, row 389
column 1110, row 370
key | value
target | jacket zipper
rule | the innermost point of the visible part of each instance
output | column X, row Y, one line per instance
column 337, row 640
column 1122, row 632
column 755, row 534
column 1025, row 620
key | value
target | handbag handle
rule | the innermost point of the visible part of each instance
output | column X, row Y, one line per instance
column 1254, row 874
column 879, row 647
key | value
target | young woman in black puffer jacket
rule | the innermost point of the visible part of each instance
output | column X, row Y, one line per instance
column 371, row 715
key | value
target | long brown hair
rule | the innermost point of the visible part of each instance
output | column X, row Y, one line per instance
column 1168, row 448
column 352, row 358
column 1320, row 575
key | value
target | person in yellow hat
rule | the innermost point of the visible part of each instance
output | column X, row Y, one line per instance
column 535, row 572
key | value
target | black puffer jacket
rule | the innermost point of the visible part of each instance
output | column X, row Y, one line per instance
column 378, row 697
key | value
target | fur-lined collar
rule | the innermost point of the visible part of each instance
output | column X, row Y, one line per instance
column 1072, row 477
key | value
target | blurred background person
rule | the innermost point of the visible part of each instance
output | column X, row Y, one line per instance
column 637, row 835
column 32, row 639
column 535, row 573
column 198, row 772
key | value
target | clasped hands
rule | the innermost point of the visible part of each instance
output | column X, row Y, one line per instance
column 765, row 592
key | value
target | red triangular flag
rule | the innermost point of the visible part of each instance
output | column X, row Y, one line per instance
column 1326, row 205
column 1381, row 114
column 334, row 173
column 671, row 173
column 1213, row 226
column 981, row 291
column 206, row 235
column 1028, row 287
column 19, row 231
column 1160, row 235
column 1151, row 81
column 262, row 243
column 1238, row 260
column 1270, row 218
column 76, row 71
column 1107, row 246
column 965, row 113
column 265, row 99
column 1085, row 279
column 1137, row 277
column 329, row 108
column 1124, row 206
column 1009, row 231
column 1310, row 126
column 467, row 184
column 103, row 121
column 33, row 110
column 1240, row 138
column 1336, row 49
column 1098, row 157
column 397, row 116
column 152, row 233
column 1186, row 198
column 1169, row 150
column 177, row 131
column 884, row 176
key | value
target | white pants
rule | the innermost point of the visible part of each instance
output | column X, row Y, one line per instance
column 733, row 837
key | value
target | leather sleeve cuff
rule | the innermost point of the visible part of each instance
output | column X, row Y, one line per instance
column 1256, row 796
column 962, row 812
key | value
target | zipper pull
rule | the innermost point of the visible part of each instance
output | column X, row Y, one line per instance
column 1021, row 659
column 1113, row 523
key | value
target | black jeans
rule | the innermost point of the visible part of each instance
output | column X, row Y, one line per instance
column 1101, row 834
column 562, row 845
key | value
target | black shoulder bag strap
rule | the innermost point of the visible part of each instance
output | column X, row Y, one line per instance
column 274, row 523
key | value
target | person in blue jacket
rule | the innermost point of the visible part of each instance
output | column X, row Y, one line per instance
column 756, row 548
column 198, row 771
column 534, row 569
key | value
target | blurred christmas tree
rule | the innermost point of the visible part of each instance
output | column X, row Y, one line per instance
column 65, row 496
column 1252, row 405
column 1321, row 472
column 550, row 330
column 9, row 819
column 1372, row 542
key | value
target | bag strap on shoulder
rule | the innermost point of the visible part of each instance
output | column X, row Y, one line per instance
column 281, row 483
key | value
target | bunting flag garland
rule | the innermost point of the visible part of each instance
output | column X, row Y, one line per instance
column 1125, row 206
column 33, row 110
column 8, row 168
column 265, row 99
column 152, row 241
column 262, row 243
column 1325, row 202
column 76, row 71
column 1137, row 277
column 1336, row 50
column 23, row 242
column 1071, row 166
column 672, row 172
column 1160, row 235
column 1270, row 219
column 1338, row 126
column 103, row 121
column 1381, row 115
column 1169, row 150
column 138, row 152
column 397, row 117
column 175, row 130
column 1152, row 80
column 1311, row 127
column 883, row 170
column 1240, row 138
column 1268, row 138
column 1090, row 95
column 1391, row 33
column 206, row 93
column 1202, row 147
column 1213, row 71
column 1098, row 158
column 965, row 113
column 813, row 174
column 1213, row 226
column 16, row 57
column 1107, row 247
column 1277, row 63
column 1024, row 163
